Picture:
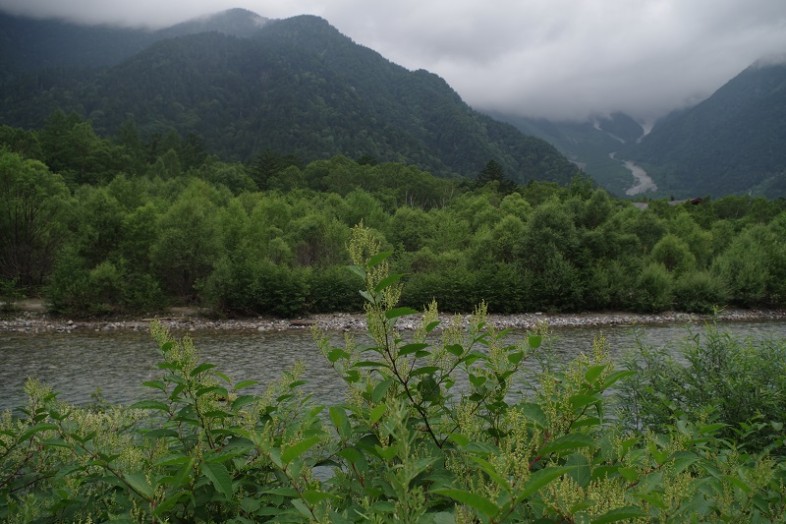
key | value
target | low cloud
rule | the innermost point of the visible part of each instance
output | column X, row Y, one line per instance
column 560, row 59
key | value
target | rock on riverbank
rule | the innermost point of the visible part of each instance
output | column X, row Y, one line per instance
column 185, row 321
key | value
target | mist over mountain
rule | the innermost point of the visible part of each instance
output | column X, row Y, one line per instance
column 591, row 144
column 28, row 44
column 732, row 142
column 244, row 84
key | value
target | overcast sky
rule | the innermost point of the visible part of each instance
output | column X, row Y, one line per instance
column 546, row 58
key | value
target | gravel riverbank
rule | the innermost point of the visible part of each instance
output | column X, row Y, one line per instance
column 27, row 321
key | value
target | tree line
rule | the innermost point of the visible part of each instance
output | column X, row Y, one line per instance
column 132, row 224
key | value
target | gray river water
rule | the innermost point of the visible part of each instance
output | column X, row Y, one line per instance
column 78, row 364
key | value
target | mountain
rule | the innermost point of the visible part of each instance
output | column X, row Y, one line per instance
column 732, row 142
column 593, row 144
column 295, row 86
column 28, row 44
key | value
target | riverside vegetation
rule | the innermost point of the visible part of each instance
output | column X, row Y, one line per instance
column 440, row 427
column 131, row 225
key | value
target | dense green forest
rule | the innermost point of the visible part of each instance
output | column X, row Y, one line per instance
column 132, row 224
column 295, row 85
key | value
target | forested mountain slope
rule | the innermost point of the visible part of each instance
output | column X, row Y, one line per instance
column 295, row 86
column 732, row 142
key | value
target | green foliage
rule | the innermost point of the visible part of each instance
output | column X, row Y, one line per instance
column 699, row 292
column 714, row 378
column 653, row 291
column 674, row 254
column 441, row 425
column 33, row 202
column 178, row 223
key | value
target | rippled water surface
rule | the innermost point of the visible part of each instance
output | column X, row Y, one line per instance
column 79, row 364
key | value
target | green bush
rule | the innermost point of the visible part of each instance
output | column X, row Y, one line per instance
column 334, row 289
column 258, row 288
column 107, row 289
column 653, row 289
column 698, row 292
column 715, row 378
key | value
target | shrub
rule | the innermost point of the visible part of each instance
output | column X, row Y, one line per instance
column 698, row 292
column 713, row 378
column 653, row 290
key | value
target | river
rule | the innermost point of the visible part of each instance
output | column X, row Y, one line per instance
column 80, row 363
column 643, row 183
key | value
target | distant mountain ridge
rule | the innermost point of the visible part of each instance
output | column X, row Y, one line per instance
column 732, row 142
column 28, row 44
column 296, row 86
column 592, row 144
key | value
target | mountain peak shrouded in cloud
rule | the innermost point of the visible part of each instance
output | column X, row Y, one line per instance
column 556, row 59
column 776, row 59
column 236, row 22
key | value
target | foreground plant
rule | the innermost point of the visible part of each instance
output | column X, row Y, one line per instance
column 452, row 423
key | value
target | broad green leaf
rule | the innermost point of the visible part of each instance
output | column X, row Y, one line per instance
column 534, row 413
column 216, row 390
column 219, row 477
column 429, row 389
column 425, row 370
column 458, row 439
column 477, row 380
column 594, row 372
column 615, row 377
column 165, row 506
column 618, row 514
column 139, row 484
column 540, row 479
column 313, row 496
column 155, row 384
column 491, row 471
column 472, row 500
column 243, row 400
column 683, row 460
column 534, row 341
column 201, row 368
column 38, row 428
column 296, row 450
column 399, row 312
column 340, row 420
column 455, row 349
column 243, row 384
column 387, row 282
column 411, row 348
column 378, row 258
column 578, row 402
column 369, row 364
column 302, row 509
column 335, row 354
column 569, row 442
column 173, row 460
column 357, row 270
column 516, row 357
column 376, row 413
column 581, row 472
column 381, row 389
column 281, row 492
